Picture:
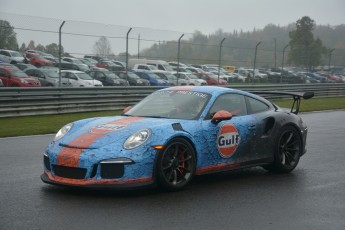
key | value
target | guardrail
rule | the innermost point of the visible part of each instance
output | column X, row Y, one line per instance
column 44, row 100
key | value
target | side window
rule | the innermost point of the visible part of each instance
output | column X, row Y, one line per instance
column 233, row 103
column 72, row 76
column 160, row 67
column 256, row 106
column 64, row 74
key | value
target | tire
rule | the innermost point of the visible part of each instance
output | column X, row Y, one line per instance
column 176, row 165
column 288, row 150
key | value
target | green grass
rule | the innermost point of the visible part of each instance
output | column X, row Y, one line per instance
column 44, row 124
column 315, row 104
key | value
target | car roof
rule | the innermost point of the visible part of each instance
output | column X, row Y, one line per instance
column 214, row 90
column 72, row 71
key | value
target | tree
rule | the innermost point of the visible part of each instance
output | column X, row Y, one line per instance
column 40, row 47
column 102, row 47
column 22, row 47
column 304, row 49
column 53, row 49
column 31, row 45
column 8, row 38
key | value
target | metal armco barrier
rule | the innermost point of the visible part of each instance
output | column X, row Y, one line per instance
column 39, row 101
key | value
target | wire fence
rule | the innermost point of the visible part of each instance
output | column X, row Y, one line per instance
column 79, row 38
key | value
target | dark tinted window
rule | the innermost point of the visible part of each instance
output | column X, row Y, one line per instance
column 256, row 106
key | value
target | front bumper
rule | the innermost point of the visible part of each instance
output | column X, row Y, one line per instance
column 48, row 178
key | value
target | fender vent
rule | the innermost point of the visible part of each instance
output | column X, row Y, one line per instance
column 177, row 127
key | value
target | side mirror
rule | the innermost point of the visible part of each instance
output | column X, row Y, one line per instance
column 125, row 110
column 221, row 115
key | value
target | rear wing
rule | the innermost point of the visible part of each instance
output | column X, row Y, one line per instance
column 295, row 95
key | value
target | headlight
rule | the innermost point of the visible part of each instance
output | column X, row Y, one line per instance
column 24, row 81
column 137, row 139
column 63, row 131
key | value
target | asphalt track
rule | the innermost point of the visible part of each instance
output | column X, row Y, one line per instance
column 311, row 197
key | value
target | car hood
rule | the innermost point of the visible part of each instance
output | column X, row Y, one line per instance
column 100, row 132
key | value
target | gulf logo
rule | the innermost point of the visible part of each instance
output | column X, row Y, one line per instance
column 227, row 140
column 106, row 128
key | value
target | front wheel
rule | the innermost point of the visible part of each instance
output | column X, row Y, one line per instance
column 288, row 150
column 176, row 165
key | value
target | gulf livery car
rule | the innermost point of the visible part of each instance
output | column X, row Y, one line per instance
column 174, row 134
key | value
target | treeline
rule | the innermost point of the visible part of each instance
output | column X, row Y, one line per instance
column 239, row 47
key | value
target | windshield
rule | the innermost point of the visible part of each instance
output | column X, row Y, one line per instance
column 112, row 75
column 133, row 75
column 51, row 73
column 18, row 73
column 192, row 76
column 84, row 76
column 168, row 68
column 171, row 104
column 171, row 77
column 15, row 54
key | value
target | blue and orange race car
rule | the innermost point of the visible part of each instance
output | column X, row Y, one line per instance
column 174, row 134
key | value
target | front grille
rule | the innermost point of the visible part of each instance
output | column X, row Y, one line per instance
column 112, row 171
column 69, row 172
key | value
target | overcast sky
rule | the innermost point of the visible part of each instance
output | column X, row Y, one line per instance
column 182, row 16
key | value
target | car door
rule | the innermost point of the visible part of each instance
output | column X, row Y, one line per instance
column 68, row 76
column 230, row 142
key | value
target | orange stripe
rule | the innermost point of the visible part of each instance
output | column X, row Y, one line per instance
column 184, row 88
column 94, row 181
column 70, row 156
column 216, row 167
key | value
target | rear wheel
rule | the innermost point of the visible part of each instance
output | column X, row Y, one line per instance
column 288, row 150
column 176, row 165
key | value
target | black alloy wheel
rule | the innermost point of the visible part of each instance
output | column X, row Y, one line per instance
column 288, row 150
column 176, row 165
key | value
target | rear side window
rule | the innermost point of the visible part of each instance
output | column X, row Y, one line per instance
column 256, row 106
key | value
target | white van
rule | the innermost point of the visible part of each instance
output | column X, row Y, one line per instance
column 159, row 64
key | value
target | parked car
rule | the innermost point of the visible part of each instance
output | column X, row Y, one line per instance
column 23, row 66
column 133, row 79
column 68, row 66
column 152, row 78
column 109, row 65
column 37, row 60
column 191, row 78
column 172, row 79
column 48, row 77
column 107, row 78
column 159, row 64
column 211, row 79
column 173, row 135
column 14, row 77
column 81, row 66
column 80, row 79
column 10, row 56
column 144, row 67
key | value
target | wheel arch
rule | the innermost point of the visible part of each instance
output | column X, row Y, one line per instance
column 180, row 135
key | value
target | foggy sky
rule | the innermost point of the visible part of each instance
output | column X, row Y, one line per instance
column 156, row 19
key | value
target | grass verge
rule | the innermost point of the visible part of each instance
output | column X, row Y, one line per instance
column 44, row 124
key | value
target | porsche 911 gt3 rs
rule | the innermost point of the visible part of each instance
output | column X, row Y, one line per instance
column 174, row 134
